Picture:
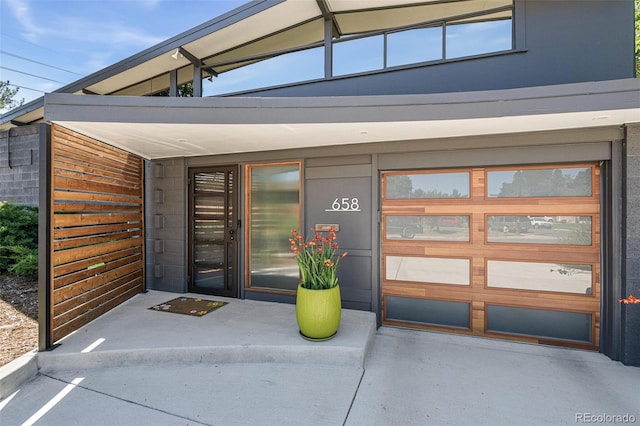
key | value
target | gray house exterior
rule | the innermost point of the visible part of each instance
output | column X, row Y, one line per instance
column 431, row 169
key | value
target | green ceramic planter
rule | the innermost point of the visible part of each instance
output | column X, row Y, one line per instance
column 318, row 312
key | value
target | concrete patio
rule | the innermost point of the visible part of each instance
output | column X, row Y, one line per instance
column 245, row 364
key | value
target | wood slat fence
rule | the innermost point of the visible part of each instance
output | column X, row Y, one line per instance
column 96, row 230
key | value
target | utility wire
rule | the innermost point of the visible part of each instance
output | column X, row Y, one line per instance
column 36, row 62
column 32, row 75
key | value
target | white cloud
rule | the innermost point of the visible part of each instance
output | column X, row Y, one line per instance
column 23, row 14
column 82, row 29
column 115, row 35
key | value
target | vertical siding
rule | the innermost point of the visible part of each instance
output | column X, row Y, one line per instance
column 97, row 238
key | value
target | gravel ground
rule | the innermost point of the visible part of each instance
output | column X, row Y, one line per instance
column 18, row 317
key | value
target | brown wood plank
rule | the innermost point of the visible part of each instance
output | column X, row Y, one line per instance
column 61, row 183
column 60, row 195
column 60, row 330
column 66, row 301
column 75, row 290
column 87, row 273
column 68, row 138
column 84, row 143
column 95, row 169
column 64, row 151
column 72, row 255
column 96, row 179
column 87, row 219
column 61, row 271
column 87, row 231
column 68, row 309
column 91, row 208
column 95, row 239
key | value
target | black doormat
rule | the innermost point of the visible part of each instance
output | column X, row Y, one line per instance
column 189, row 306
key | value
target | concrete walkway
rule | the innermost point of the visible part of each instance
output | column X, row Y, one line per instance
column 245, row 364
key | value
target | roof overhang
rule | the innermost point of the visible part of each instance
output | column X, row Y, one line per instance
column 175, row 127
column 256, row 31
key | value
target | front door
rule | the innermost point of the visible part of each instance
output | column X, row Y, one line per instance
column 213, row 227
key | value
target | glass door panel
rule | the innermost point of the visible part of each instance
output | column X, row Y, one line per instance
column 213, row 229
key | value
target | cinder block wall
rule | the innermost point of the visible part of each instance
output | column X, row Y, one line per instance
column 19, row 165
column 165, row 216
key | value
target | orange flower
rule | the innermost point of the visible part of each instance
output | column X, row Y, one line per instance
column 631, row 300
column 317, row 258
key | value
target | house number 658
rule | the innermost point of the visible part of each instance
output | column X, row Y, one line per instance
column 345, row 204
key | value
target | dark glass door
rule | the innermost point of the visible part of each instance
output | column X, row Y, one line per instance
column 213, row 227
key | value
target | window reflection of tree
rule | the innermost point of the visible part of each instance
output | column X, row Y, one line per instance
column 548, row 183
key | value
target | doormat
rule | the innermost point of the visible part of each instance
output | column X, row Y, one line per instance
column 189, row 306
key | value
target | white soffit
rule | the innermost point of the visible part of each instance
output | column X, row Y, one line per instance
column 357, row 21
column 166, row 140
column 174, row 127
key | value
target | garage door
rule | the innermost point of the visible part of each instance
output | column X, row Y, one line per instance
column 498, row 252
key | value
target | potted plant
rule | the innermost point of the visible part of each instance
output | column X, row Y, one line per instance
column 318, row 304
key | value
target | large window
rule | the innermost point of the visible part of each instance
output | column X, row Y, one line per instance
column 273, row 210
column 368, row 41
column 432, row 41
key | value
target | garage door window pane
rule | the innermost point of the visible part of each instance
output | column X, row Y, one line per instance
column 427, row 186
column 435, row 270
column 560, row 230
column 554, row 277
column 561, row 182
column 435, row 312
column 540, row 323
column 428, row 228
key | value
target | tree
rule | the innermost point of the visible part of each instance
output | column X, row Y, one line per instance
column 184, row 91
column 7, row 95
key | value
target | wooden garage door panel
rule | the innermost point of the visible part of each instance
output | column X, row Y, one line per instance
column 521, row 251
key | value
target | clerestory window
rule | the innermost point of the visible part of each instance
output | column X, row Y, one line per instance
column 430, row 34
column 440, row 41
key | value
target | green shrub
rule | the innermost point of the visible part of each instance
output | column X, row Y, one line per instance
column 18, row 239
column 24, row 261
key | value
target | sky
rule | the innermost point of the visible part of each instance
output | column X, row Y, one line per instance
column 47, row 44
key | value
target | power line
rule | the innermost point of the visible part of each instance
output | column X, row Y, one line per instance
column 32, row 75
column 36, row 62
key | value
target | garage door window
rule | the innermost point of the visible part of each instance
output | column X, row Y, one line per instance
column 540, row 182
column 430, row 228
column 547, row 276
column 548, row 228
column 427, row 185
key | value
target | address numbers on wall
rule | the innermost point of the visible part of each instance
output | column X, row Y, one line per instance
column 344, row 204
